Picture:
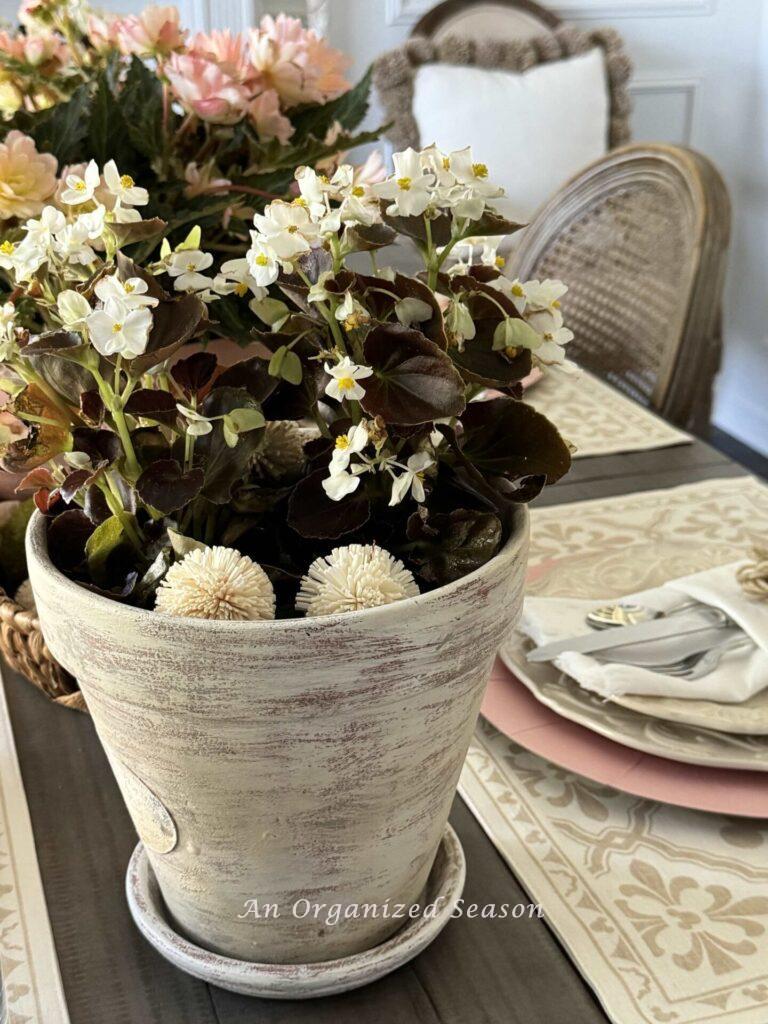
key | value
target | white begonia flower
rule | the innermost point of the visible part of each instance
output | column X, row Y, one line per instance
column 40, row 232
column 123, row 187
column 117, row 330
column 216, row 583
column 353, row 578
column 314, row 190
column 344, row 380
column 439, row 163
column 410, row 187
column 347, row 445
column 286, row 228
column 552, row 350
column 74, row 309
column 542, row 295
column 359, row 203
column 235, row 278
column 7, row 326
column 24, row 259
column 91, row 224
column 72, row 243
column 132, row 292
column 351, row 313
column 412, row 478
column 340, row 485
column 197, row 424
column 185, row 267
column 262, row 262
column 318, row 292
column 81, row 190
column 120, row 214
column 490, row 254
column 459, row 323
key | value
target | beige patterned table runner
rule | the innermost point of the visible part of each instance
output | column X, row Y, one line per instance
column 30, row 970
column 663, row 910
column 598, row 419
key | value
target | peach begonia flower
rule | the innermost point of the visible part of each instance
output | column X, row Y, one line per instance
column 155, row 32
column 102, row 32
column 265, row 113
column 297, row 62
column 227, row 50
column 27, row 178
column 36, row 49
column 203, row 88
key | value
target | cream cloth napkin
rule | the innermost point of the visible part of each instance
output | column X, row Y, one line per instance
column 739, row 675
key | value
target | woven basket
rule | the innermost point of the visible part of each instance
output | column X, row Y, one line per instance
column 23, row 647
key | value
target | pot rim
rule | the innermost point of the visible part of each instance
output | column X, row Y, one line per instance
column 37, row 549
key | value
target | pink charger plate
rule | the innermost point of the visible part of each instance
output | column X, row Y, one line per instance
column 514, row 711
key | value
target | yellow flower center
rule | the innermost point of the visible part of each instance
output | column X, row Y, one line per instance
column 299, row 201
column 358, row 191
column 420, row 475
column 7, row 248
column 323, row 178
column 346, row 383
column 116, row 328
column 548, row 336
column 262, row 260
column 292, row 229
column 480, row 170
column 191, row 267
column 517, row 289
column 241, row 289
column 80, row 186
column 500, row 262
column 404, row 184
column 129, row 288
column 342, row 442
column 510, row 351
column 127, row 181
column 556, row 304
column 446, row 163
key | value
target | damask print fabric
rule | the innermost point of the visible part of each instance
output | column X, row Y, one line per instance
column 663, row 910
column 596, row 418
column 30, row 971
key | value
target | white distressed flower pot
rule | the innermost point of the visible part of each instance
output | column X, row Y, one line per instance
column 304, row 759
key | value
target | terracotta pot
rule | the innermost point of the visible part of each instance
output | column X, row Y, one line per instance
column 309, row 758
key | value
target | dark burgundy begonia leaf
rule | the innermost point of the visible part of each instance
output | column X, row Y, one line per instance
column 164, row 485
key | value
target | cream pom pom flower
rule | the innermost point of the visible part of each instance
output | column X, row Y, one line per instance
column 27, row 178
column 352, row 578
column 216, row 583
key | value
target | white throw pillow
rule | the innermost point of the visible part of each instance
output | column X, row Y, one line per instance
column 533, row 129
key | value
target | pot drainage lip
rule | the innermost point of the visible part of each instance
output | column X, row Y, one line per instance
column 297, row 981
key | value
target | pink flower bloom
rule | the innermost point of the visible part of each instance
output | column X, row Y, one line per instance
column 200, row 179
column 325, row 69
column 372, row 171
column 102, row 32
column 264, row 111
column 155, row 32
column 36, row 49
column 202, row 87
column 27, row 178
column 296, row 62
column 226, row 49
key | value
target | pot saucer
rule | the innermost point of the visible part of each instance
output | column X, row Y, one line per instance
column 297, row 981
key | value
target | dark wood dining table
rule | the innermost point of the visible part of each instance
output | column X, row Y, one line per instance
column 511, row 971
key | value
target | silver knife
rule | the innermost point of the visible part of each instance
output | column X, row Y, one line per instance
column 603, row 640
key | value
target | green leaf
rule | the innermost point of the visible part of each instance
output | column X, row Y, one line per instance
column 63, row 129
column 142, row 102
column 100, row 545
column 349, row 110
column 287, row 365
column 515, row 333
column 108, row 135
column 225, row 466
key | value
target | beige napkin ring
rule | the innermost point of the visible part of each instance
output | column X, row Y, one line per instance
column 754, row 577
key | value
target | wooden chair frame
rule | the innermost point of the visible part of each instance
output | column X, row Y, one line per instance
column 431, row 21
column 684, row 380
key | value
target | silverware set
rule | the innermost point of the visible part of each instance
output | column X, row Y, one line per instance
column 689, row 642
